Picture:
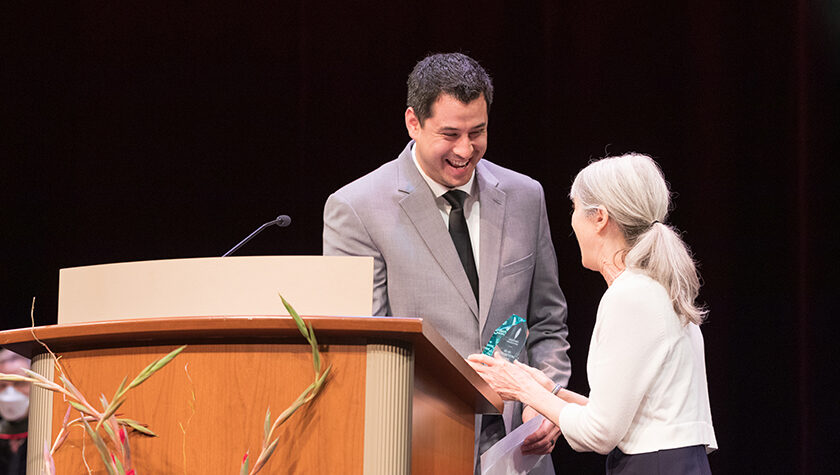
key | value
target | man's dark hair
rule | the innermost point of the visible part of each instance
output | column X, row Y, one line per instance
column 455, row 74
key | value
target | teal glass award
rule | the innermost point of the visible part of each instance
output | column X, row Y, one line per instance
column 508, row 339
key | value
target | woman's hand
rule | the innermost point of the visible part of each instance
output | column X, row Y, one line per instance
column 510, row 381
column 538, row 376
column 532, row 387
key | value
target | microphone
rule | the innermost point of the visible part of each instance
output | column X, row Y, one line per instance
column 281, row 221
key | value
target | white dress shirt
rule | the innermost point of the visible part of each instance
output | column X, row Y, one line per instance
column 472, row 208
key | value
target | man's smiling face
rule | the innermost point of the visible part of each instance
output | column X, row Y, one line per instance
column 452, row 140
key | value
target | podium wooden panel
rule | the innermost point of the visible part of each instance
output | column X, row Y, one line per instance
column 398, row 394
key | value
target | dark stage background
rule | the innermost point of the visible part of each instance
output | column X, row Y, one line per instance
column 152, row 130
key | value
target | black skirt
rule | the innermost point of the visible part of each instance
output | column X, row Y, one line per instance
column 682, row 461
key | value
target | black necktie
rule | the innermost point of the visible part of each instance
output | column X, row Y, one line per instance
column 461, row 236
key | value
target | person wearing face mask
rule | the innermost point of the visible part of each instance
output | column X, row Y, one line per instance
column 14, row 411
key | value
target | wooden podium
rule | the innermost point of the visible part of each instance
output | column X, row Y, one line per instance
column 399, row 398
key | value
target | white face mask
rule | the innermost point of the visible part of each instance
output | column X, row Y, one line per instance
column 14, row 405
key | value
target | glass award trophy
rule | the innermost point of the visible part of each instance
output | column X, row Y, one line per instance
column 508, row 339
column 505, row 456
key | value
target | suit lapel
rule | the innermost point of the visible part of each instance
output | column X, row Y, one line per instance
column 492, row 220
column 419, row 204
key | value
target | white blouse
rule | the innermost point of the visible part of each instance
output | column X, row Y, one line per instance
column 647, row 376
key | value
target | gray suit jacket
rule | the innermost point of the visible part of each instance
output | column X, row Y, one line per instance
column 391, row 214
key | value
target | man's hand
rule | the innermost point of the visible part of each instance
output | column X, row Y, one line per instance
column 543, row 439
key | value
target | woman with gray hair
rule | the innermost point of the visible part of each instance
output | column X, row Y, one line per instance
column 648, row 405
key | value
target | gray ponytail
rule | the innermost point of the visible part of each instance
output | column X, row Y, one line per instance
column 633, row 190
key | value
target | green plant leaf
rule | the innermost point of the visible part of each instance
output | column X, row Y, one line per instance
column 265, row 455
column 120, row 390
column 126, row 447
column 270, row 450
column 317, row 384
column 65, row 430
column 109, row 430
column 321, row 378
column 17, row 378
column 148, row 371
column 293, row 407
column 267, row 425
column 298, row 321
column 100, row 446
column 45, row 383
column 35, row 379
column 109, row 411
column 137, row 426
column 324, row 375
column 316, row 355
column 81, row 408
column 120, row 469
column 305, row 396
column 49, row 463
column 32, row 374
column 76, row 393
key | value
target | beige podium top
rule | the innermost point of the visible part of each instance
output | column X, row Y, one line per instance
column 315, row 285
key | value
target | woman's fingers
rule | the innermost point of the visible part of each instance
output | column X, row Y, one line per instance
column 478, row 367
column 535, row 373
column 527, row 368
column 483, row 359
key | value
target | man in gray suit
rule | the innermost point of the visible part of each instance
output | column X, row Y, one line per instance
column 457, row 240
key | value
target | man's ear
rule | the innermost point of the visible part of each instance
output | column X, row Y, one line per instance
column 412, row 123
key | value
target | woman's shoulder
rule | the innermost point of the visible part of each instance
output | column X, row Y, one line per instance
column 634, row 284
column 634, row 292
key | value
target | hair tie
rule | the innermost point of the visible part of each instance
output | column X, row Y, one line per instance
column 654, row 222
